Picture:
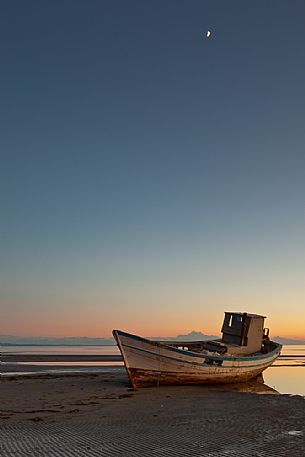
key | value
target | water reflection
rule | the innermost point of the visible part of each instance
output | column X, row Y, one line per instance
column 289, row 362
column 71, row 364
column 286, row 379
column 285, row 376
column 257, row 386
column 292, row 349
column 60, row 350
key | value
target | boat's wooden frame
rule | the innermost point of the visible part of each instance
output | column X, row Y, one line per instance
column 154, row 363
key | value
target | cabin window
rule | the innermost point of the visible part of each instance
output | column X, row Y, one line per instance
column 235, row 321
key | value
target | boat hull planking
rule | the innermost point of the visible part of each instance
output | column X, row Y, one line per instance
column 149, row 363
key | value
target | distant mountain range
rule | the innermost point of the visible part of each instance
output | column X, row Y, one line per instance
column 10, row 340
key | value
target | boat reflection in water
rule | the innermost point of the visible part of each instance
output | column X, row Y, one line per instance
column 255, row 386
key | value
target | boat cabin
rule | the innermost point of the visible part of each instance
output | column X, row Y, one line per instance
column 243, row 333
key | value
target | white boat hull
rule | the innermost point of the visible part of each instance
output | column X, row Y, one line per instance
column 149, row 363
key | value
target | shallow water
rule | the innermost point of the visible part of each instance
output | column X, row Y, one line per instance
column 48, row 370
column 70, row 364
column 61, row 350
column 286, row 376
column 286, row 380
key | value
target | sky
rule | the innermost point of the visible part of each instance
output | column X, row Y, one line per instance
column 151, row 178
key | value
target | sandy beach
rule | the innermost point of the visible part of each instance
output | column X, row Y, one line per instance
column 101, row 415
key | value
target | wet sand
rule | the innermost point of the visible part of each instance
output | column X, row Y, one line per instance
column 11, row 358
column 101, row 415
column 37, row 363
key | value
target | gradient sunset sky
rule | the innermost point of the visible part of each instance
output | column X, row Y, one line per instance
column 151, row 178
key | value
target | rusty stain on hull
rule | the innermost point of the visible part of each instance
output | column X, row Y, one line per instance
column 149, row 378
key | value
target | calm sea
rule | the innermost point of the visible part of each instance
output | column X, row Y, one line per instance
column 287, row 375
column 57, row 350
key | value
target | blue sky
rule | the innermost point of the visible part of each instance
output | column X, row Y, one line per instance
column 151, row 178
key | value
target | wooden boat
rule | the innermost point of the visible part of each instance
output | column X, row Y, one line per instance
column 243, row 353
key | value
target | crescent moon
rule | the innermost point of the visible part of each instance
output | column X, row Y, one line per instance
column 208, row 34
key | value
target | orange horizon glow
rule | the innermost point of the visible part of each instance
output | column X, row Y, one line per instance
column 84, row 329
column 158, row 313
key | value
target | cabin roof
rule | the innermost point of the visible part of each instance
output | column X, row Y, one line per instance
column 248, row 314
